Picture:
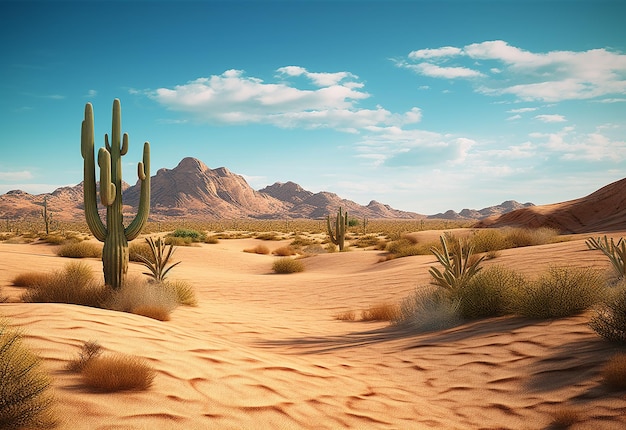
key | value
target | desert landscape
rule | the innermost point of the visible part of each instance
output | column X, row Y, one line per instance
column 268, row 350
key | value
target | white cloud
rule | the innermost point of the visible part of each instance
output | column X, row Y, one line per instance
column 568, row 145
column 550, row 118
column 16, row 176
column 446, row 51
column 91, row 93
column 551, row 76
column 514, row 117
column 233, row 98
column 522, row 110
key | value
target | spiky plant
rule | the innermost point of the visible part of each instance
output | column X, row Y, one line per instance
column 158, row 262
column 341, row 224
column 616, row 252
column 459, row 264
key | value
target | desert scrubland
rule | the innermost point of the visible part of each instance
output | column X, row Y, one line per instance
column 264, row 350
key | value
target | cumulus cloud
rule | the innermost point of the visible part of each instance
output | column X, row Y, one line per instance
column 529, row 76
column 234, row 98
column 568, row 145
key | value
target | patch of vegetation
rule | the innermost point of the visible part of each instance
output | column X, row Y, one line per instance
column 30, row 279
column 609, row 320
column 137, row 294
column 615, row 252
column 408, row 246
column 185, row 294
column 346, row 316
column 287, row 265
column 118, row 372
column 367, row 241
column 270, row 235
column 429, row 309
column 560, row 292
column 564, row 417
column 381, row 312
column 75, row 284
column 259, row 249
column 88, row 351
column 158, row 262
column 26, row 401
column 285, row 251
column 80, row 250
column 459, row 264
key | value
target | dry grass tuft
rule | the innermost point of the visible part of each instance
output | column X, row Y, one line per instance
column 285, row 251
column 31, row 279
column 185, row 293
column 614, row 372
column 138, row 248
column 610, row 318
column 287, row 265
column 381, row 312
column 89, row 350
column 137, row 293
column 80, row 250
column 152, row 311
column 117, row 372
column 25, row 397
column 429, row 309
column 75, row 284
column 259, row 249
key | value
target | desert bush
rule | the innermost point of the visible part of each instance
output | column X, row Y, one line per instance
column 25, row 395
column 270, row 235
column 158, row 260
column 520, row 237
column 75, row 284
column 381, row 312
column 212, row 240
column 609, row 320
column 138, row 294
column 615, row 252
column 559, row 292
column 614, row 372
column 316, row 248
column 88, row 351
column 330, row 247
column 259, row 249
column 185, row 294
column 406, row 247
column 193, row 235
column 138, row 248
column 286, row 265
column 489, row 239
column 429, row 309
column 459, row 264
column 156, row 312
column 30, row 279
column 487, row 293
column 300, row 241
column 80, row 250
column 117, row 372
column 367, row 241
column 54, row 239
column 284, row 251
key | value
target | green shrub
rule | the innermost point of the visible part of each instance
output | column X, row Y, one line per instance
column 80, row 250
column 560, row 292
column 405, row 247
column 609, row 320
column 616, row 253
column 520, row 237
column 75, row 284
column 286, row 265
column 489, row 239
column 212, row 240
column 429, row 309
column 193, row 235
column 25, row 397
column 486, row 294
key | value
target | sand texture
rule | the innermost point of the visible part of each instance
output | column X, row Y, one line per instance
column 264, row 351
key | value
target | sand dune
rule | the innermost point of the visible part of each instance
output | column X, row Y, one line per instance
column 264, row 350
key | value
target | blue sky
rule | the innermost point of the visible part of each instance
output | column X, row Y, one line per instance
column 422, row 105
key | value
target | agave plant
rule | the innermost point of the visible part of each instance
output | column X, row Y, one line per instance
column 158, row 263
column 616, row 252
column 459, row 264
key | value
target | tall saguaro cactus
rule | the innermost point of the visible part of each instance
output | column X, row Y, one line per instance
column 341, row 224
column 114, row 235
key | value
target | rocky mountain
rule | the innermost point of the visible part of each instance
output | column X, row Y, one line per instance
column 602, row 210
column 470, row 214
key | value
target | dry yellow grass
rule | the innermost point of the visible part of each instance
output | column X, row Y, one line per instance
column 564, row 417
column 614, row 372
column 285, row 251
column 117, row 372
column 259, row 249
column 152, row 311
column 381, row 312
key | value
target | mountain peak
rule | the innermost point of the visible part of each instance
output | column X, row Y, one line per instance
column 190, row 164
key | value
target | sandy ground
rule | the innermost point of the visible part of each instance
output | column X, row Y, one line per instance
column 265, row 351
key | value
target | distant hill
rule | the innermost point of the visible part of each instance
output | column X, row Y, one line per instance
column 603, row 210
column 469, row 214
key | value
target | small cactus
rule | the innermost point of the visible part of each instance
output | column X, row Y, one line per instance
column 47, row 217
column 341, row 224
column 114, row 235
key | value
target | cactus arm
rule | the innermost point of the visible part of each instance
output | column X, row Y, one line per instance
column 92, row 217
column 124, row 148
column 107, row 188
column 143, row 172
